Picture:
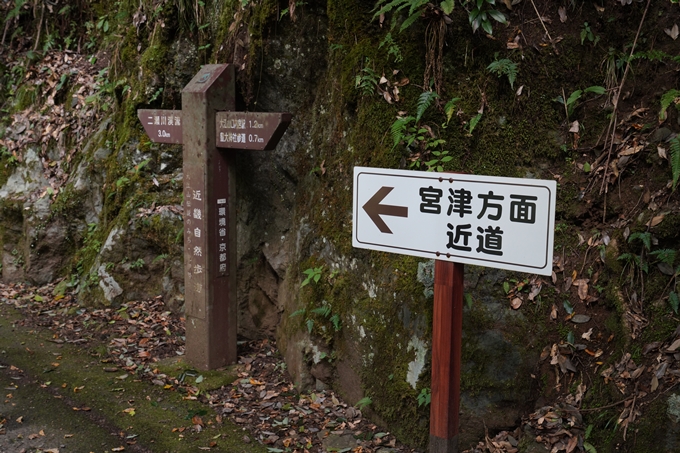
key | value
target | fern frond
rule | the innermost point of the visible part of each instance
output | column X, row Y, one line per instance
column 675, row 160
column 409, row 21
column 450, row 108
column 665, row 255
column 417, row 5
column 416, row 8
column 394, row 4
column 668, row 98
column 397, row 129
column 504, row 67
column 424, row 102
column 645, row 237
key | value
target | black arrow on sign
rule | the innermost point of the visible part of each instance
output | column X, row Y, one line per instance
column 374, row 209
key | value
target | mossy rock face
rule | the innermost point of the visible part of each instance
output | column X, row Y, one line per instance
column 12, row 254
column 365, row 327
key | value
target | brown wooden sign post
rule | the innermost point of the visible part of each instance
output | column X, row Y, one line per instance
column 447, row 338
column 205, row 123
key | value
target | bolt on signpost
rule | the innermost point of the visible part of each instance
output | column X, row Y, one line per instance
column 205, row 123
column 505, row 223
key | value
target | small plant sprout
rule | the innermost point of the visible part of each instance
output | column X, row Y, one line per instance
column 570, row 103
column 473, row 123
column 424, row 397
column 413, row 8
column 392, row 48
column 504, row 67
column 668, row 98
column 313, row 274
column 481, row 14
column 449, row 110
column 587, row 33
column 363, row 402
column 367, row 80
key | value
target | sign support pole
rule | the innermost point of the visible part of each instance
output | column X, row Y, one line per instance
column 447, row 330
column 209, row 222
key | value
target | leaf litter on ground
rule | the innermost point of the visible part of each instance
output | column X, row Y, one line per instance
column 263, row 399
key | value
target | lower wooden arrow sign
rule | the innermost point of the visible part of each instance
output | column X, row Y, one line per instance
column 248, row 130
column 374, row 209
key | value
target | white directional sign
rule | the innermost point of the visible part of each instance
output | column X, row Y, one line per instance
column 506, row 223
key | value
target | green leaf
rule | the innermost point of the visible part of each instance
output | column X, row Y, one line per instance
column 486, row 26
column 675, row 160
column 424, row 102
column 589, row 429
column 568, row 307
column 298, row 313
column 574, row 97
column 468, row 300
column 363, row 402
column 335, row 320
column 668, row 98
column 310, row 325
column 674, row 301
column 324, row 311
column 447, row 6
column 411, row 19
column 449, row 109
column 199, row 379
column 625, row 257
column 506, row 287
column 570, row 337
column 498, row 16
column 665, row 255
column 645, row 237
column 398, row 129
column 595, row 89
column 38, row 298
column 474, row 121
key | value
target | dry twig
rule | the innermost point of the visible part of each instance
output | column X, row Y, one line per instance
column 612, row 123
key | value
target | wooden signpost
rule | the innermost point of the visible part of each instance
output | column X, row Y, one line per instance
column 207, row 122
column 506, row 223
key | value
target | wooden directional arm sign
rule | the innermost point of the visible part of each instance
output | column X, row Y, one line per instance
column 247, row 130
column 506, row 223
column 162, row 126
column 236, row 130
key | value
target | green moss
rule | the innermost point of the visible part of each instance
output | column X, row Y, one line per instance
column 25, row 97
column 153, row 60
column 204, row 380
column 157, row 410
column 6, row 169
column 67, row 202
column 669, row 229
column 224, row 24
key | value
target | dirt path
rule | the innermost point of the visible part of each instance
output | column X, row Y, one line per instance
column 65, row 398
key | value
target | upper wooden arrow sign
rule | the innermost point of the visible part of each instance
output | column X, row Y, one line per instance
column 238, row 130
column 162, row 126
